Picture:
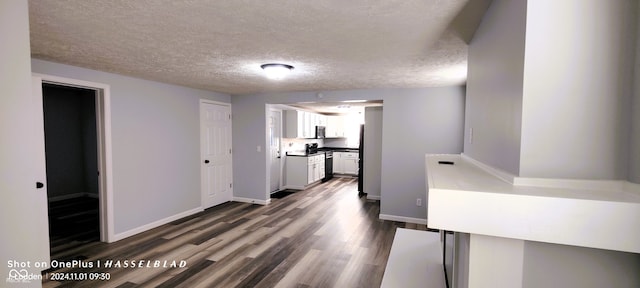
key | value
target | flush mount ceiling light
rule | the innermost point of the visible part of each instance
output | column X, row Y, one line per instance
column 276, row 71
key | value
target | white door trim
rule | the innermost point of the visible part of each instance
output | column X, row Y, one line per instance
column 40, row 201
column 202, row 185
column 267, row 145
column 105, row 151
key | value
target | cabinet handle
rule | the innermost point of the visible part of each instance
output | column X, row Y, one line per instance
column 206, row 161
column 39, row 185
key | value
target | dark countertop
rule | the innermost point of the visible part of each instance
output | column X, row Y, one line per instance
column 302, row 154
column 321, row 151
column 339, row 149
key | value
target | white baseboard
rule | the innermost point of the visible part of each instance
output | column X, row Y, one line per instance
column 403, row 219
column 373, row 197
column 155, row 224
column 252, row 201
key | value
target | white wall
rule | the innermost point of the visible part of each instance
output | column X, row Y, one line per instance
column 494, row 86
column 415, row 122
column 372, row 151
column 576, row 116
column 554, row 100
column 18, row 222
column 156, row 144
column 576, row 123
column 577, row 88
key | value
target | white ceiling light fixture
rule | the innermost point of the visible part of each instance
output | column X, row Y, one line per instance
column 276, row 71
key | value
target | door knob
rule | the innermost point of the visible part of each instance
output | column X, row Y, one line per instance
column 206, row 161
column 39, row 185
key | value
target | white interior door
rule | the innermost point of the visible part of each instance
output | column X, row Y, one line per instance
column 215, row 145
column 275, row 133
column 40, row 208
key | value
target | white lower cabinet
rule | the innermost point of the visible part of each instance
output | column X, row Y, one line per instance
column 319, row 173
column 318, row 167
column 346, row 162
column 350, row 163
column 337, row 164
column 304, row 170
column 310, row 171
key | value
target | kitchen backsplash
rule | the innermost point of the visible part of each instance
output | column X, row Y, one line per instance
column 338, row 143
column 297, row 144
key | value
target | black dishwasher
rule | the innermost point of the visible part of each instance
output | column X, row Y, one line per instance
column 328, row 166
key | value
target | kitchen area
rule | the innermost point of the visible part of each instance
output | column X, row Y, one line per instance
column 319, row 145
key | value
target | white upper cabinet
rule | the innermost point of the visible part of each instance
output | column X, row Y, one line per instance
column 298, row 124
column 335, row 127
column 302, row 124
column 309, row 125
column 321, row 120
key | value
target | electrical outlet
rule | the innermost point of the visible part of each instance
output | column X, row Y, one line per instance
column 418, row 201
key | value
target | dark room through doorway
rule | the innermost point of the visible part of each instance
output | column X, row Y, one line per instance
column 71, row 148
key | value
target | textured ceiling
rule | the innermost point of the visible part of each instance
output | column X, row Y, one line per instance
column 219, row 45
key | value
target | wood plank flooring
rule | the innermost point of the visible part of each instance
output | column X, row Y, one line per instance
column 325, row 236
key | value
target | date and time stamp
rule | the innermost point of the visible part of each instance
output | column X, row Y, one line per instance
column 77, row 276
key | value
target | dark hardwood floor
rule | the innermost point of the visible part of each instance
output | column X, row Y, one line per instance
column 325, row 236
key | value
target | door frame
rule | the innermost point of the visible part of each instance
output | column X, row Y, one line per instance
column 202, row 184
column 267, row 146
column 105, row 151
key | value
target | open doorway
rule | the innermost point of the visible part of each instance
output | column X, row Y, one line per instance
column 71, row 149
column 274, row 133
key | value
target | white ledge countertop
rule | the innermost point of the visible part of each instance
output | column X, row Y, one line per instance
column 471, row 197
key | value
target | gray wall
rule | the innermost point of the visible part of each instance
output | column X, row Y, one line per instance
column 634, row 138
column 156, row 144
column 415, row 122
column 372, row 151
column 249, row 132
column 577, row 89
column 552, row 265
column 494, row 86
column 21, row 228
